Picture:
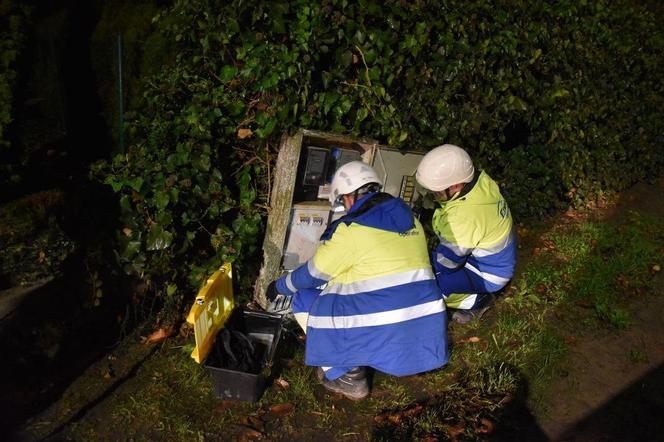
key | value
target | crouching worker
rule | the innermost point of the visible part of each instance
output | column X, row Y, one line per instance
column 380, row 306
column 477, row 250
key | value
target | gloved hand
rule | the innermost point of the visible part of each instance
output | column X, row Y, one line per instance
column 277, row 303
column 271, row 293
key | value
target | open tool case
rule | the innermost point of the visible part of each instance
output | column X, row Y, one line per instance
column 236, row 345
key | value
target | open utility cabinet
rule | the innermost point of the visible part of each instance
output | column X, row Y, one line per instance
column 299, row 213
column 299, row 206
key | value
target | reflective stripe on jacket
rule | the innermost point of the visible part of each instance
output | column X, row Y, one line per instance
column 475, row 230
column 381, row 306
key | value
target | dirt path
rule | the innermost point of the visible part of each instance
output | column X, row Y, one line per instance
column 613, row 385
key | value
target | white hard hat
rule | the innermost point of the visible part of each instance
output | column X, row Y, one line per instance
column 445, row 166
column 350, row 177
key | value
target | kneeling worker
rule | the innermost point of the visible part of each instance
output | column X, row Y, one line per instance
column 381, row 306
column 477, row 250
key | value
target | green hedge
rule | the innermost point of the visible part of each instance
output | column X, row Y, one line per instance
column 557, row 100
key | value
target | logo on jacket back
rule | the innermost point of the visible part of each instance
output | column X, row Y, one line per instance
column 411, row 232
column 503, row 210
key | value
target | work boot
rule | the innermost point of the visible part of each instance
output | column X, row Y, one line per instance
column 353, row 385
column 465, row 316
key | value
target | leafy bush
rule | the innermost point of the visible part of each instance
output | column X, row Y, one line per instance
column 32, row 240
column 558, row 100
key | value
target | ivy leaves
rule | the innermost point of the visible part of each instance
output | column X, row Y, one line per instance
column 544, row 99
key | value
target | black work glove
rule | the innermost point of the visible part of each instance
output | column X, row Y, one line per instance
column 277, row 302
column 272, row 293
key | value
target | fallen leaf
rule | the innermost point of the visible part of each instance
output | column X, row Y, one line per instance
column 656, row 268
column 570, row 340
column 42, row 256
column 456, row 430
column 485, row 426
column 394, row 419
column 255, row 423
column 622, row 281
column 413, row 411
column 430, row 438
column 573, row 214
column 226, row 404
column 127, row 231
column 536, row 251
column 472, row 340
column 160, row 335
column 248, row 434
column 281, row 383
column 244, row 133
column 281, row 409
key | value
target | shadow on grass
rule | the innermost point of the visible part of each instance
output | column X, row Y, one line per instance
column 634, row 414
column 466, row 414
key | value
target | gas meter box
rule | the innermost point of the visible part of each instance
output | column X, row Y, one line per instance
column 316, row 168
column 236, row 345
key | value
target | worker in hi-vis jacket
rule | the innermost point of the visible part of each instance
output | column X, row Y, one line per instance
column 476, row 253
column 368, row 297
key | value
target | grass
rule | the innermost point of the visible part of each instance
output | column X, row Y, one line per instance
column 579, row 277
column 638, row 356
column 583, row 273
column 169, row 399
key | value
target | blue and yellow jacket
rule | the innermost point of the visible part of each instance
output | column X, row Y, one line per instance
column 475, row 230
column 380, row 306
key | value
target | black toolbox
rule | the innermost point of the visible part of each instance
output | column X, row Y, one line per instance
column 231, row 381
column 236, row 345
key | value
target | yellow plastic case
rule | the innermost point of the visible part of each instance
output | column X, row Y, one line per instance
column 213, row 305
